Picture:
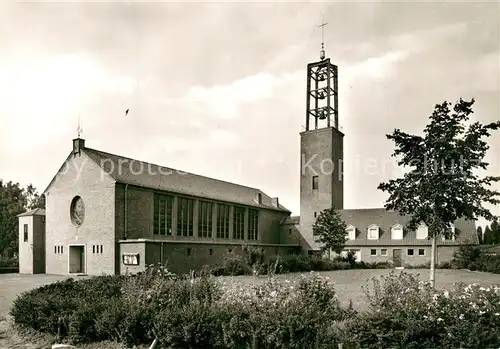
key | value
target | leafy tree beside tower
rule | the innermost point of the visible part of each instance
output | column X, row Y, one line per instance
column 442, row 184
column 330, row 231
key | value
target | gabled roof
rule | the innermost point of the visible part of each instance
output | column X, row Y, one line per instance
column 35, row 212
column 139, row 173
column 385, row 220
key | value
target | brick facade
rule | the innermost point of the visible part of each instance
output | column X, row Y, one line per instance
column 321, row 156
column 183, row 257
column 140, row 237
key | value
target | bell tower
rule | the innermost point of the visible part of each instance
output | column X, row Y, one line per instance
column 321, row 146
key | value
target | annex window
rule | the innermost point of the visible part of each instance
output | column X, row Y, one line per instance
column 163, row 205
column 189, row 252
column 315, row 183
column 351, row 232
column 421, row 252
column 373, row 232
column 315, row 214
column 211, row 251
column 253, row 224
column 383, row 252
column 410, row 252
column 422, row 232
column 373, row 252
column 397, row 232
column 222, row 221
column 239, row 223
column 25, row 232
column 205, row 219
column 185, row 217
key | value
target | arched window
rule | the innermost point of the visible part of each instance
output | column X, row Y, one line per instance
column 373, row 232
column 397, row 232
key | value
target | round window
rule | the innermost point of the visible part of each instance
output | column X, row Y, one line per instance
column 77, row 211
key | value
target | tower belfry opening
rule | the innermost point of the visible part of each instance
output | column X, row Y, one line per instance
column 322, row 91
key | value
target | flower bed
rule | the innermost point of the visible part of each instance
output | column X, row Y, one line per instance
column 408, row 313
column 209, row 312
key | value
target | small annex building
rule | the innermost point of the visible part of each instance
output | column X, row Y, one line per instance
column 32, row 241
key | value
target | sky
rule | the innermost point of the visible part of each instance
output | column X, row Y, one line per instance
column 218, row 89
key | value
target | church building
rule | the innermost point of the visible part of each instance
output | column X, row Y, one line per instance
column 109, row 214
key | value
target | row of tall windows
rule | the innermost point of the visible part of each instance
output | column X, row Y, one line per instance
column 163, row 210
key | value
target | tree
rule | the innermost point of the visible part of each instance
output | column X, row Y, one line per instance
column 14, row 200
column 330, row 231
column 495, row 232
column 442, row 184
column 479, row 231
column 34, row 200
column 488, row 236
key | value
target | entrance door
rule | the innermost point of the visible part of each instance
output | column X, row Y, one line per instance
column 396, row 257
column 77, row 259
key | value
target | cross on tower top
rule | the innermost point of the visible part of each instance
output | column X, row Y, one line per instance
column 79, row 129
column 322, row 25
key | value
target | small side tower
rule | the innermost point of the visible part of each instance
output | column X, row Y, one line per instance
column 322, row 146
column 32, row 242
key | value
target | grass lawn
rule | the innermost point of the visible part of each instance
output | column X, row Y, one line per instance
column 347, row 283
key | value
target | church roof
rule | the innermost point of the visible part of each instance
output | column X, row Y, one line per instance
column 139, row 173
column 34, row 212
column 361, row 219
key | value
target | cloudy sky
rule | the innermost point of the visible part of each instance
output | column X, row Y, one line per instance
column 218, row 89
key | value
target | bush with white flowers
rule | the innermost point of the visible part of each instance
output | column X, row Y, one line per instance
column 408, row 313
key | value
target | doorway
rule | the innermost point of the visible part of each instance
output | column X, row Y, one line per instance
column 77, row 259
column 396, row 257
